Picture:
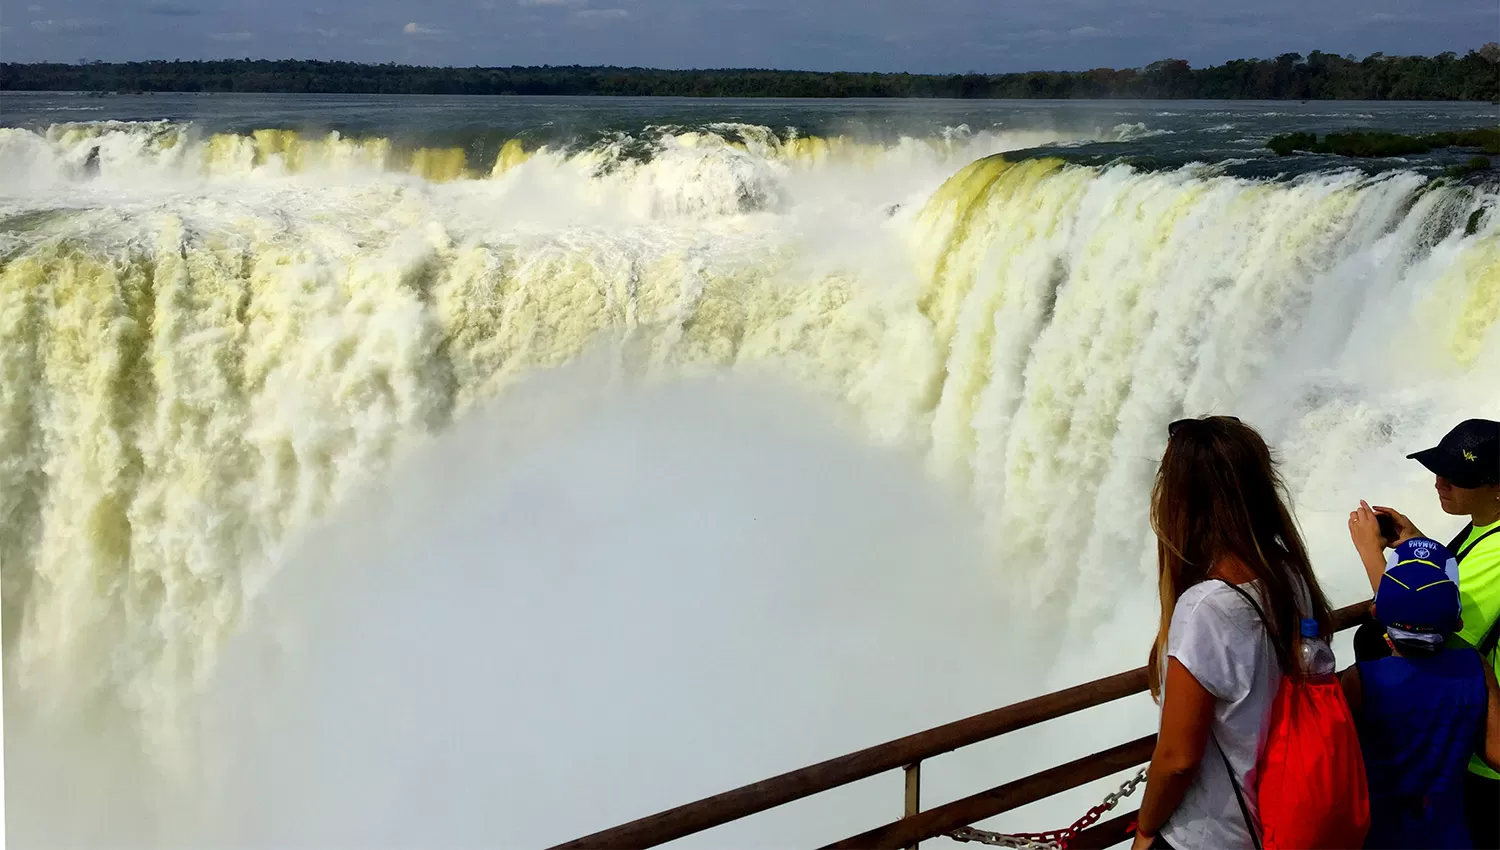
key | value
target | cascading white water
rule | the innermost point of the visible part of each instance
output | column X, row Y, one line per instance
column 215, row 342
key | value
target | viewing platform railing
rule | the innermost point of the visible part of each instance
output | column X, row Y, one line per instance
column 908, row 753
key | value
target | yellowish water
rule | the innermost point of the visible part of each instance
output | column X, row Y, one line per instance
column 190, row 375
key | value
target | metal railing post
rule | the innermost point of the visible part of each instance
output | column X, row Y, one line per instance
column 913, row 794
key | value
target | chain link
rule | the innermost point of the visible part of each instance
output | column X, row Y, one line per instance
column 1056, row 839
column 995, row 839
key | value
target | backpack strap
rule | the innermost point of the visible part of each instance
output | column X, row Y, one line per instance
column 1238, row 797
column 1490, row 639
column 1258, row 612
column 1487, row 643
column 1248, row 598
column 1235, row 783
column 1460, row 555
column 1453, row 544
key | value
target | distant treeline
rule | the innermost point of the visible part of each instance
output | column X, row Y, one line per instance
column 1475, row 76
column 1372, row 143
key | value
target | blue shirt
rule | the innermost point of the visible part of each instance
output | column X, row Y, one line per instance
column 1420, row 720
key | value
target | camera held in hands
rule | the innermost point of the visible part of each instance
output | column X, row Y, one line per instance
column 1388, row 533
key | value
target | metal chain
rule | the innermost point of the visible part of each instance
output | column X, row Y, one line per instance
column 995, row 839
column 1057, row 839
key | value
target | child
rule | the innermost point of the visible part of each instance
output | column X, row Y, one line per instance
column 1371, row 541
column 1422, row 710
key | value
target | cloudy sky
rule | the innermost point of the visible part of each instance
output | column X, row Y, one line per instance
column 885, row 35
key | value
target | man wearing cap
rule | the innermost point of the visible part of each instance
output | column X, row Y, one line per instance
column 1466, row 463
column 1422, row 710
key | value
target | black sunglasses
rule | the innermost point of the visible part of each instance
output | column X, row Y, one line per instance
column 1173, row 428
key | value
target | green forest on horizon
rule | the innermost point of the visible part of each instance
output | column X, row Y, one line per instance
column 1290, row 76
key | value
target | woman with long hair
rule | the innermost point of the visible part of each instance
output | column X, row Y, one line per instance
column 1235, row 583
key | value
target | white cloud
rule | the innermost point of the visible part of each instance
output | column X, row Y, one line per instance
column 73, row 26
column 333, row 33
column 1037, row 35
column 170, row 9
column 33, row 8
column 415, row 28
column 232, row 37
column 1087, row 32
column 547, row 2
column 598, row 15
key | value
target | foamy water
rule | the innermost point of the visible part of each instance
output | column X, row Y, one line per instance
column 217, row 342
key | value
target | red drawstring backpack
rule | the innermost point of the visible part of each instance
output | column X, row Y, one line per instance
column 1309, row 785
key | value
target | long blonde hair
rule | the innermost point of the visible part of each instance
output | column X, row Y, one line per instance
column 1218, row 497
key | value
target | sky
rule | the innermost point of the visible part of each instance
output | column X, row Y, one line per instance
column 922, row 36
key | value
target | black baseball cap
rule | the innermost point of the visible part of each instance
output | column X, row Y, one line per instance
column 1468, row 456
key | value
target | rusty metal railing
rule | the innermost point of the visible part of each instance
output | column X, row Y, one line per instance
column 907, row 754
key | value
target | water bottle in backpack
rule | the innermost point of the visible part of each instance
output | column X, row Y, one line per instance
column 1314, row 655
column 1309, row 784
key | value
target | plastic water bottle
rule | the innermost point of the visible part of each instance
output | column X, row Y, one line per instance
column 1314, row 654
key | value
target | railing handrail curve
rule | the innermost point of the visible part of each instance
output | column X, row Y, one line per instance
column 728, row 806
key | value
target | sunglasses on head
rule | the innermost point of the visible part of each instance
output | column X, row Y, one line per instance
column 1173, row 428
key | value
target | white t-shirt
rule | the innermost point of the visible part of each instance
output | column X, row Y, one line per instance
column 1220, row 639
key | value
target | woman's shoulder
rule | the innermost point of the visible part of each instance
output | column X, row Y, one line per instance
column 1219, row 594
column 1216, row 634
column 1215, row 600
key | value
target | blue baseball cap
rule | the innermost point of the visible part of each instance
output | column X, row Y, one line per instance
column 1418, row 598
column 1424, row 550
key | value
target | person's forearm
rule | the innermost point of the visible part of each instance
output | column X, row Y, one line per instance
column 1374, row 566
column 1165, row 788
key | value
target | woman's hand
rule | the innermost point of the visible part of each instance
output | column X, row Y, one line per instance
column 1364, row 530
column 1142, row 841
column 1405, row 530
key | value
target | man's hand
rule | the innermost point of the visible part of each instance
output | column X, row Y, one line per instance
column 1142, row 841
